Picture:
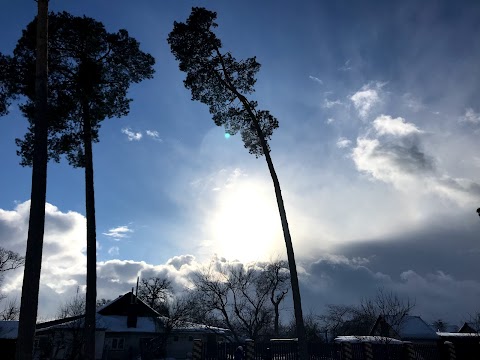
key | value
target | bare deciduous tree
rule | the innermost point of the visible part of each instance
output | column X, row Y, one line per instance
column 359, row 319
column 9, row 260
column 241, row 299
column 155, row 292
column 11, row 311
column 276, row 279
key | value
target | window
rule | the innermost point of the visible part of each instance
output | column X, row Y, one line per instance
column 117, row 344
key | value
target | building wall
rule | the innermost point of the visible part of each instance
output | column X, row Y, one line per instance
column 123, row 346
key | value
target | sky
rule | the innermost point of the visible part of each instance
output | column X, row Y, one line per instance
column 377, row 154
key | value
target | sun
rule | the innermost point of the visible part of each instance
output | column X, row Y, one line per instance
column 246, row 225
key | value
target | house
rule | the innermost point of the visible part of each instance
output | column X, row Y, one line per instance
column 8, row 339
column 125, row 328
column 469, row 327
column 407, row 328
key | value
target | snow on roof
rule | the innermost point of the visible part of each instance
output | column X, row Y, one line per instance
column 192, row 327
column 369, row 339
column 187, row 326
column 456, row 334
column 114, row 323
column 8, row 329
column 118, row 323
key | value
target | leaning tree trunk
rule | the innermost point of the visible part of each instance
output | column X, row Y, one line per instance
column 297, row 301
column 91, row 296
column 36, row 223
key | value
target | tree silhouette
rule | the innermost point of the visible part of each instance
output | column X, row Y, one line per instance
column 90, row 71
column 220, row 81
column 155, row 292
column 38, row 88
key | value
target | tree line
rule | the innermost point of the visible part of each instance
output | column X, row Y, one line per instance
column 71, row 74
column 247, row 300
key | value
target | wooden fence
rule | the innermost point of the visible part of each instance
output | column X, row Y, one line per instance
column 288, row 350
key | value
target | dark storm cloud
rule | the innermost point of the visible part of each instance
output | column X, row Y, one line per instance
column 448, row 242
column 406, row 156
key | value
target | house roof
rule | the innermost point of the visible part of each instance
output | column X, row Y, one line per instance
column 457, row 334
column 8, row 329
column 122, row 306
column 369, row 339
column 469, row 327
column 413, row 327
column 112, row 317
column 111, row 323
column 409, row 327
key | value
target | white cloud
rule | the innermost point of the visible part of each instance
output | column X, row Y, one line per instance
column 330, row 120
column 471, row 116
column 386, row 125
column 366, row 98
column 63, row 255
column 336, row 276
column 316, row 79
column 331, row 103
column 132, row 135
column 154, row 135
column 119, row 232
column 343, row 143
column 114, row 251
column 409, row 169
column 346, row 66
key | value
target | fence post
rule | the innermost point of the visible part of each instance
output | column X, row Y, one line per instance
column 451, row 350
column 408, row 350
column 347, row 351
column 250, row 349
column 367, row 351
column 197, row 349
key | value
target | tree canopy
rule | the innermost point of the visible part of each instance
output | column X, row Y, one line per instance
column 219, row 80
column 86, row 63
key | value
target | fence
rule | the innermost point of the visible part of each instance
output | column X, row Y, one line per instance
column 288, row 350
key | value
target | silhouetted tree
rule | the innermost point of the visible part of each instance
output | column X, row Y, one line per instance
column 9, row 260
column 156, row 292
column 38, row 98
column 237, row 298
column 359, row 319
column 7, row 94
column 90, row 71
column 220, row 81
column 276, row 279
column 11, row 311
column 440, row 325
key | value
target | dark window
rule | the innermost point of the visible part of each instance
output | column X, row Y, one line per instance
column 117, row 344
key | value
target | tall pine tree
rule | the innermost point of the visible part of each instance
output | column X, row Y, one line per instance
column 220, row 81
column 90, row 71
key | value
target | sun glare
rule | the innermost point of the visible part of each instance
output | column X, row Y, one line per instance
column 246, row 225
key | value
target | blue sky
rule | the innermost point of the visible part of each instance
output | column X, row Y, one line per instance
column 377, row 154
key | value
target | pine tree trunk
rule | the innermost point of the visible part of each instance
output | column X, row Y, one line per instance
column 91, row 296
column 297, row 302
column 36, row 224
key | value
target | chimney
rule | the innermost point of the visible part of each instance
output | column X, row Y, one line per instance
column 132, row 312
